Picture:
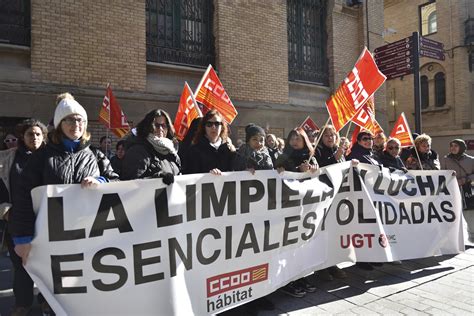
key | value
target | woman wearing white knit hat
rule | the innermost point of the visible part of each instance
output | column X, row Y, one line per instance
column 66, row 159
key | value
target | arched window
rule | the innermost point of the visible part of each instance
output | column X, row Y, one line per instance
column 425, row 93
column 307, row 41
column 15, row 22
column 180, row 32
column 440, row 89
column 432, row 23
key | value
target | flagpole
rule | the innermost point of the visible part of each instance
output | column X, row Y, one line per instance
column 319, row 137
column 348, row 129
column 107, row 131
column 418, row 155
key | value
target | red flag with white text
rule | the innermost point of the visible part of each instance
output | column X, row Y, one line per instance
column 309, row 126
column 112, row 116
column 188, row 110
column 212, row 95
column 361, row 83
column 365, row 117
column 401, row 130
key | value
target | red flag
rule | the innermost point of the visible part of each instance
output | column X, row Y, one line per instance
column 309, row 126
column 188, row 110
column 212, row 95
column 365, row 117
column 361, row 83
column 111, row 114
column 401, row 130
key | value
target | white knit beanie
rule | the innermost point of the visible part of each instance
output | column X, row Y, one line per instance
column 67, row 107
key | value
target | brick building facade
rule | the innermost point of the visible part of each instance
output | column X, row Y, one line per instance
column 448, row 112
column 80, row 45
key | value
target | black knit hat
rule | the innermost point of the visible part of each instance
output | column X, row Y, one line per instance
column 252, row 130
column 461, row 144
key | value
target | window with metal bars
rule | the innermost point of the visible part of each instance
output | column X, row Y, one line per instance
column 307, row 40
column 180, row 32
column 425, row 92
column 15, row 22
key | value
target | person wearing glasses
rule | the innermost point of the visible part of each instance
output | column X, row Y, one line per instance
column 10, row 141
column 12, row 162
column 65, row 159
column 390, row 157
column 211, row 150
column 362, row 150
column 152, row 154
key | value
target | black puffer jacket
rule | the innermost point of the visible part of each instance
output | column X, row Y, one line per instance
column 203, row 157
column 291, row 159
column 142, row 161
column 429, row 160
column 248, row 158
column 52, row 164
column 325, row 155
column 362, row 154
column 393, row 163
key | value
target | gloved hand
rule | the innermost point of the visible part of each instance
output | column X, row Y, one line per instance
column 168, row 178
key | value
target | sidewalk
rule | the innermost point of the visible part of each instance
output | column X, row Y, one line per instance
column 431, row 286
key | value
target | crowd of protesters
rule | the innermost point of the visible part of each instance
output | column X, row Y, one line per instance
column 35, row 157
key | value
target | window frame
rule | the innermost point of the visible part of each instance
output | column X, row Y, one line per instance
column 18, row 33
column 172, row 31
column 307, row 63
column 420, row 19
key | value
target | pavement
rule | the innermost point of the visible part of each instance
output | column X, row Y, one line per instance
column 442, row 285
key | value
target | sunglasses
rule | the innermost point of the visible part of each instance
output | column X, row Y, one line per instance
column 211, row 124
column 366, row 138
column 73, row 121
column 10, row 140
column 162, row 125
column 393, row 147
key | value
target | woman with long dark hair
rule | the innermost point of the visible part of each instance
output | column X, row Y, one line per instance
column 151, row 154
column 298, row 156
column 32, row 135
column 212, row 150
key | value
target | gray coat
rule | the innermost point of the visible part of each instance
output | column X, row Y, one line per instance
column 464, row 166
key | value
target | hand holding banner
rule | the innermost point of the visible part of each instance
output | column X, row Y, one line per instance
column 361, row 83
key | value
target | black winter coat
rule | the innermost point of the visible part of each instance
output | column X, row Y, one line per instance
column 142, row 161
column 362, row 154
column 291, row 159
column 247, row 158
column 203, row 157
column 393, row 163
column 52, row 164
column 325, row 155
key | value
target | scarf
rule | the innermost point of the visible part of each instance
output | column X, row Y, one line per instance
column 162, row 145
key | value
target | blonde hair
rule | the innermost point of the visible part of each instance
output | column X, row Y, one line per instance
column 421, row 139
column 331, row 128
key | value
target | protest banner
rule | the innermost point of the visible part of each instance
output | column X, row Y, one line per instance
column 209, row 243
column 188, row 110
column 112, row 116
column 361, row 83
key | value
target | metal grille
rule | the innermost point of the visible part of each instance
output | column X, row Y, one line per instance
column 180, row 32
column 15, row 22
column 307, row 41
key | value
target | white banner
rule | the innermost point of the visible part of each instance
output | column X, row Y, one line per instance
column 209, row 243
